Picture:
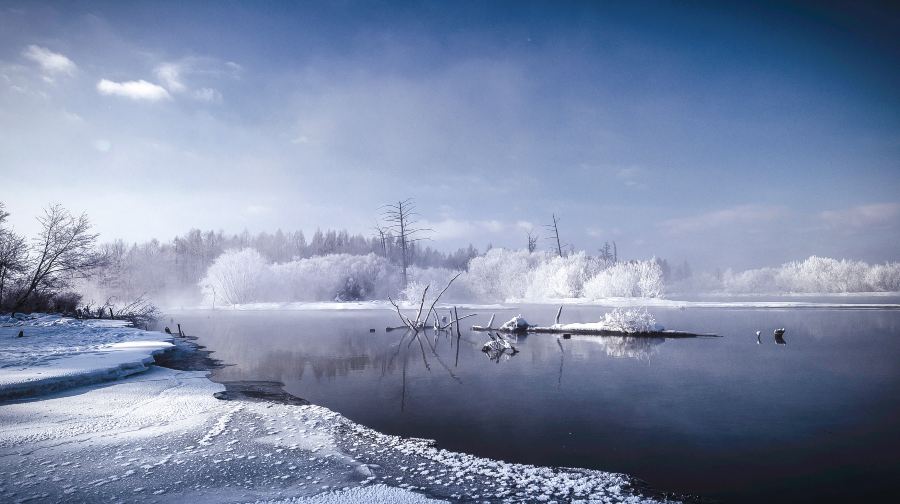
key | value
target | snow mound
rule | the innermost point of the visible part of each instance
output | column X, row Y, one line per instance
column 57, row 352
column 516, row 323
column 624, row 320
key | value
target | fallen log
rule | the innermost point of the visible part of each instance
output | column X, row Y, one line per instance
column 596, row 332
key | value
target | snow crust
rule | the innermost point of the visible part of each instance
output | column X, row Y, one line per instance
column 59, row 352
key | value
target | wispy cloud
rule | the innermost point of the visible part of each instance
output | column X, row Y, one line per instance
column 182, row 76
column 631, row 176
column 135, row 90
column 208, row 95
column 862, row 216
column 743, row 215
column 52, row 63
column 170, row 75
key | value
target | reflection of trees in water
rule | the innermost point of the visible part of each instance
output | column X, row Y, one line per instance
column 624, row 346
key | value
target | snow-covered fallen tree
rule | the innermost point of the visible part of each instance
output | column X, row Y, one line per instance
column 618, row 322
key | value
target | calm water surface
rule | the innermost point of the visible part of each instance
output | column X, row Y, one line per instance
column 725, row 418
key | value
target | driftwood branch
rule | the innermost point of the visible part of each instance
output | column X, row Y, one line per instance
column 400, row 314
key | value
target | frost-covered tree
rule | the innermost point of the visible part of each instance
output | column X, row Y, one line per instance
column 13, row 254
column 627, row 279
column 236, row 276
column 62, row 251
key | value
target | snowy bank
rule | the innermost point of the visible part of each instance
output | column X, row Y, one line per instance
column 57, row 353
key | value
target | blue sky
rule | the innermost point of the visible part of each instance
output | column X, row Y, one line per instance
column 730, row 135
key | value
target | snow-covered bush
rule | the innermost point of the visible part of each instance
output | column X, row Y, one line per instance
column 631, row 279
column 437, row 278
column 243, row 276
column 336, row 277
column 814, row 275
column 237, row 276
column 631, row 320
column 884, row 277
column 502, row 275
column 560, row 277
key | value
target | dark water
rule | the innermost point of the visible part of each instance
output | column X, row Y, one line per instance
column 726, row 418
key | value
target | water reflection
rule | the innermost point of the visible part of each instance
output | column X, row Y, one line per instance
column 624, row 346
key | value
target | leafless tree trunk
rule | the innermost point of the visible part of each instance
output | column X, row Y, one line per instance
column 400, row 218
column 382, row 234
column 63, row 248
column 555, row 229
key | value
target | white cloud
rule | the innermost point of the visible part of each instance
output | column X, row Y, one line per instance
column 742, row 215
column 862, row 216
column 170, row 75
column 50, row 62
column 135, row 90
column 182, row 76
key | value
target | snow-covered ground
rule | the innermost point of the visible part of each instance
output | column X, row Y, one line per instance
column 56, row 353
column 161, row 436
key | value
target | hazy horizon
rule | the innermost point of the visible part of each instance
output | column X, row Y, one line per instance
column 727, row 135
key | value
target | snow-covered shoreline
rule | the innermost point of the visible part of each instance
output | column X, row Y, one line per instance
column 58, row 353
column 159, row 435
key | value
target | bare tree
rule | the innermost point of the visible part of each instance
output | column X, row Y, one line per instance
column 401, row 219
column 64, row 248
column 607, row 255
column 532, row 242
column 554, row 228
column 382, row 235
column 13, row 253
